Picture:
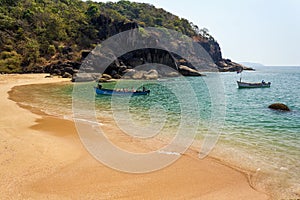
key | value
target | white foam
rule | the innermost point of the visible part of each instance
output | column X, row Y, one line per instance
column 169, row 153
column 284, row 169
column 88, row 121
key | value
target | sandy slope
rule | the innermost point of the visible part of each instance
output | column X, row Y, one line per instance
column 41, row 157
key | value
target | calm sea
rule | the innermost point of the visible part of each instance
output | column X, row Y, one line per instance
column 252, row 137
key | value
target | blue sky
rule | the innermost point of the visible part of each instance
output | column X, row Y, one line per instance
column 263, row 31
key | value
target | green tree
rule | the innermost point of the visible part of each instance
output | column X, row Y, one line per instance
column 51, row 49
column 32, row 31
column 92, row 11
column 10, row 62
column 30, row 52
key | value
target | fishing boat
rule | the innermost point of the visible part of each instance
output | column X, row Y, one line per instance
column 102, row 91
column 242, row 84
column 262, row 84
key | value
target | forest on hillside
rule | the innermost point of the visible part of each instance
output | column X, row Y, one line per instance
column 39, row 32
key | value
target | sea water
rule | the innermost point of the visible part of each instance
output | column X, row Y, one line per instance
column 252, row 137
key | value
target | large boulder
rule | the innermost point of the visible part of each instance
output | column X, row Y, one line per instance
column 106, row 76
column 139, row 74
column 172, row 74
column 69, row 70
column 128, row 73
column 151, row 75
column 85, row 53
column 187, row 71
column 117, row 76
column 85, row 77
column 226, row 65
column 56, row 72
column 279, row 106
column 67, row 75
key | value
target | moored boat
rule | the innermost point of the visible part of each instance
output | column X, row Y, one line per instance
column 253, row 85
column 102, row 91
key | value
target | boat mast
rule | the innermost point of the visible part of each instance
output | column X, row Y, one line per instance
column 240, row 72
column 240, row 76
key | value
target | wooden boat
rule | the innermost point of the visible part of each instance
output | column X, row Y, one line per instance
column 253, row 85
column 120, row 92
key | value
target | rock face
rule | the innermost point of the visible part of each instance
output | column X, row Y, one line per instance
column 125, row 65
column 279, row 106
column 133, row 59
column 150, row 74
column 64, row 69
column 224, row 65
column 108, row 27
column 212, row 48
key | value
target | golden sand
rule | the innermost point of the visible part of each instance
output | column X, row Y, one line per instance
column 41, row 157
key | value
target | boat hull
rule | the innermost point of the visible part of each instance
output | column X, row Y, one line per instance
column 114, row 92
column 253, row 85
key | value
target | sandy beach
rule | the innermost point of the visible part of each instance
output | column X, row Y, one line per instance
column 41, row 157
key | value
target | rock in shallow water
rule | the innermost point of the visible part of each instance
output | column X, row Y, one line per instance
column 279, row 106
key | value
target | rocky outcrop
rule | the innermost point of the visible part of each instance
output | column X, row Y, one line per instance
column 149, row 74
column 67, row 75
column 140, row 57
column 226, row 65
column 279, row 106
column 187, row 71
column 214, row 50
column 108, row 27
column 125, row 66
column 64, row 69
column 85, row 77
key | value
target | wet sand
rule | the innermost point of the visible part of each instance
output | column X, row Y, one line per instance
column 41, row 157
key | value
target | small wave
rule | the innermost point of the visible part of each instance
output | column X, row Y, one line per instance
column 169, row 153
column 88, row 121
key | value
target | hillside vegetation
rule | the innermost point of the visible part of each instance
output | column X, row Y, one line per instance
column 38, row 32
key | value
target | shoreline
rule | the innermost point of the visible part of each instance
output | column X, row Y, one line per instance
column 44, row 159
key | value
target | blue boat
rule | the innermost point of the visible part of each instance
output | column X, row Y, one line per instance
column 120, row 92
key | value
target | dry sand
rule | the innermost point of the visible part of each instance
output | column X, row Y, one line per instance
column 41, row 157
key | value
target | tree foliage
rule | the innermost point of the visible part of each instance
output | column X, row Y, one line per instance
column 35, row 31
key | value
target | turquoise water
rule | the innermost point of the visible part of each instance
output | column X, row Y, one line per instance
column 253, row 137
column 267, row 140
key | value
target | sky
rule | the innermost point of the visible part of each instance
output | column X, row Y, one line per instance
column 260, row 31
